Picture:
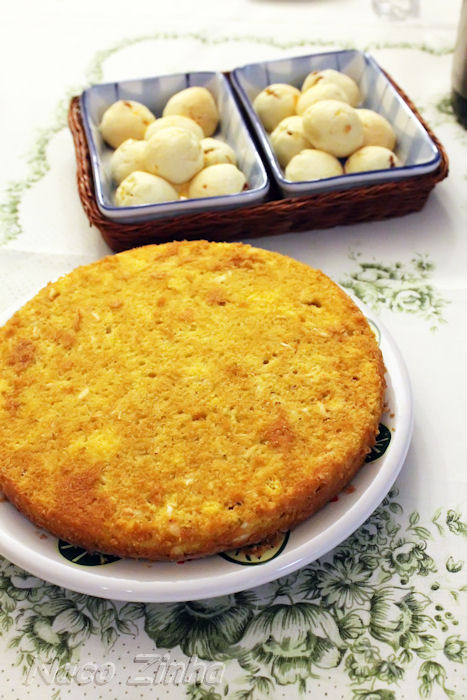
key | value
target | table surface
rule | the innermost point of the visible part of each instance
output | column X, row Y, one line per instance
column 382, row 615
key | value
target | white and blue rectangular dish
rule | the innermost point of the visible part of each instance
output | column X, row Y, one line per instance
column 154, row 92
column 415, row 148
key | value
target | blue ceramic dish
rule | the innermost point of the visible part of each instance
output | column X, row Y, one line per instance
column 154, row 93
column 415, row 148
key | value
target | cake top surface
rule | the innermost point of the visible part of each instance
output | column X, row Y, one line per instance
column 181, row 399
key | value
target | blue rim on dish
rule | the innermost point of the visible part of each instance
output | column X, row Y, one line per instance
column 417, row 150
column 154, row 93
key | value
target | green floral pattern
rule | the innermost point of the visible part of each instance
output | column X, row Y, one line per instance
column 52, row 623
column 359, row 610
column 400, row 287
column 206, row 628
column 442, row 113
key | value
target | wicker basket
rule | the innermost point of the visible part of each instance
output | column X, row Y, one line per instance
column 274, row 216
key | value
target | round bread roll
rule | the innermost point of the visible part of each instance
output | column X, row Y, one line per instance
column 275, row 103
column 377, row 131
column 216, row 180
column 198, row 104
column 125, row 119
column 216, row 151
column 127, row 158
column 174, row 120
column 334, row 127
column 329, row 75
column 143, row 188
column 320, row 91
column 288, row 139
column 174, row 154
column 371, row 158
column 312, row 164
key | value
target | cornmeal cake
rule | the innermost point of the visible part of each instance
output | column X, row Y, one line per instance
column 178, row 400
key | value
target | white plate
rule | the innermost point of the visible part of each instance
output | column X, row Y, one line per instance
column 133, row 580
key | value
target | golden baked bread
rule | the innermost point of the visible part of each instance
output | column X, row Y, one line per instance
column 178, row 400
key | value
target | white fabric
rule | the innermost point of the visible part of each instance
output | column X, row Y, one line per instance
column 50, row 49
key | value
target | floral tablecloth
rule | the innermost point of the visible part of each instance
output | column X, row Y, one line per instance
column 381, row 616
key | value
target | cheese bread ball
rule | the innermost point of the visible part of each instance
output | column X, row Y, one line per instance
column 320, row 91
column 329, row 75
column 183, row 189
column 127, row 158
column 198, row 104
column 174, row 120
column 275, row 103
column 334, row 127
column 215, row 180
column 174, row 154
column 288, row 139
column 377, row 131
column 216, row 151
column 143, row 188
column 371, row 158
column 312, row 164
column 125, row 119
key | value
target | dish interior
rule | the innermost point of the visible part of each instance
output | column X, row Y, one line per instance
column 154, row 94
column 414, row 146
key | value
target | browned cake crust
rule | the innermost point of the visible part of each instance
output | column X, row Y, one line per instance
column 179, row 400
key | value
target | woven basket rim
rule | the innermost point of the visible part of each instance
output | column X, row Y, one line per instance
column 276, row 214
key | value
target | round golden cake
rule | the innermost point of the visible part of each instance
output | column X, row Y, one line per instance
column 178, row 400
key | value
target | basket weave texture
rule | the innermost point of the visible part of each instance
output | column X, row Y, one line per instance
column 273, row 216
